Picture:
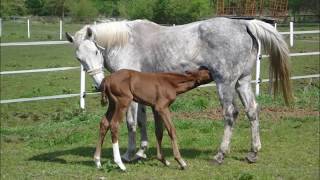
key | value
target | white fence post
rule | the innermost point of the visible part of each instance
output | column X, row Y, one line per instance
column 28, row 22
column 291, row 34
column 82, row 87
column 60, row 29
column 0, row 27
column 258, row 69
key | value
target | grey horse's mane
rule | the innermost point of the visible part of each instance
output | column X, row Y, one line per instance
column 106, row 34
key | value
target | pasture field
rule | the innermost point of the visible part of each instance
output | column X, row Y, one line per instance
column 53, row 139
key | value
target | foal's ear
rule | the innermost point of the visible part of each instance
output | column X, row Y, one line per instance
column 69, row 37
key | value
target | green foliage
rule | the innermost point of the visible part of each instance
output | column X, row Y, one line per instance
column 83, row 10
column 304, row 6
column 185, row 11
column 136, row 9
column 12, row 8
column 181, row 11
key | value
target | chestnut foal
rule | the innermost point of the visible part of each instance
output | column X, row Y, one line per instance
column 158, row 90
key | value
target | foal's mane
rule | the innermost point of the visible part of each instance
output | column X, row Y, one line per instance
column 108, row 34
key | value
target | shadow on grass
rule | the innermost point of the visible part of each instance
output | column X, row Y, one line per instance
column 56, row 156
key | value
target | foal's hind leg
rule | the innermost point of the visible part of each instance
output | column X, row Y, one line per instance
column 230, row 112
column 165, row 116
column 248, row 100
column 159, row 135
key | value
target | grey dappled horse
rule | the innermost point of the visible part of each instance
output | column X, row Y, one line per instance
column 227, row 47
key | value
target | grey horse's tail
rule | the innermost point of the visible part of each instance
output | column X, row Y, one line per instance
column 277, row 48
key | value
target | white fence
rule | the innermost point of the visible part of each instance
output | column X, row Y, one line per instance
column 82, row 93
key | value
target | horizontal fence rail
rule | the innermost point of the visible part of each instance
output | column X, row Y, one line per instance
column 301, row 32
column 33, row 43
column 93, row 93
column 77, row 67
column 38, row 70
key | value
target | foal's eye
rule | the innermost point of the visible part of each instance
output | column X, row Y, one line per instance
column 96, row 52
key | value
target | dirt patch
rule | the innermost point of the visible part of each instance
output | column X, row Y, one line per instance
column 278, row 113
column 275, row 113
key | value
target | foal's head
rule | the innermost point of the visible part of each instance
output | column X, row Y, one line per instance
column 201, row 76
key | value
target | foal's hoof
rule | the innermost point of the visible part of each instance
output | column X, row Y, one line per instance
column 164, row 162
column 122, row 167
column 98, row 163
column 218, row 159
column 252, row 157
column 183, row 164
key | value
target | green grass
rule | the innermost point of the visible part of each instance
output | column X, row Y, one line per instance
column 53, row 139
column 63, row 145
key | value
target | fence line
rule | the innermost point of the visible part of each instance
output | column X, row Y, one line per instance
column 82, row 73
column 34, row 43
column 291, row 33
column 38, row 70
column 301, row 32
column 93, row 93
column 77, row 67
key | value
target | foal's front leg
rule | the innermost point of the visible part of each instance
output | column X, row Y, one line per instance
column 119, row 110
column 104, row 127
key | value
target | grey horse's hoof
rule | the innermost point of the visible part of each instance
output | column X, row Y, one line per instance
column 126, row 158
column 218, row 159
column 252, row 157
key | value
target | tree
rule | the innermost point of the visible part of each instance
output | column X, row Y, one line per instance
column 136, row 9
column 34, row 6
column 12, row 8
column 82, row 10
column 181, row 11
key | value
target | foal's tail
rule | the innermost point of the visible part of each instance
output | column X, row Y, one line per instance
column 277, row 48
column 104, row 89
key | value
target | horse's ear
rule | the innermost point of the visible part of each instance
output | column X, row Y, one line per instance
column 89, row 33
column 69, row 37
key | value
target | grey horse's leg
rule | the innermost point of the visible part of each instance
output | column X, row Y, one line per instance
column 136, row 113
column 142, row 123
column 230, row 112
column 248, row 100
column 131, row 118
